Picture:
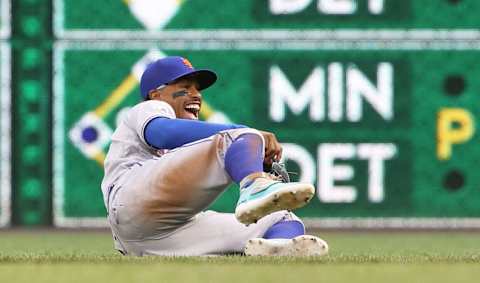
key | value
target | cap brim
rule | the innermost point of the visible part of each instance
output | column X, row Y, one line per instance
column 205, row 78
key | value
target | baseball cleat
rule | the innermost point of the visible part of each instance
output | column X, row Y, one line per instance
column 264, row 195
column 300, row 246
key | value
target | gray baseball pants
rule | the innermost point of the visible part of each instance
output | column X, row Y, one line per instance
column 157, row 208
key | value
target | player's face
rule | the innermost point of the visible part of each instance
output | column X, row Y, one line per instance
column 184, row 97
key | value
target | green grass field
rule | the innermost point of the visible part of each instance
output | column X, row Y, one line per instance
column 87, row 257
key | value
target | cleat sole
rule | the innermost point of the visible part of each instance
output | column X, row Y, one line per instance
column 287, row 198
column 301, row 246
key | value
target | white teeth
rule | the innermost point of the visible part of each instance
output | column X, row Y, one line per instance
column 193, row 107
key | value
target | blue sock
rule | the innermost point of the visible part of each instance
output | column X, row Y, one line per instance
column 285, row 229
column 244, row 157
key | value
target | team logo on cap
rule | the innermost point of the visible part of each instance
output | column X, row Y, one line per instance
column 187, row 63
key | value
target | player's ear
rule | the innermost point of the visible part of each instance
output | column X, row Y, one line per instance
column 152, row 94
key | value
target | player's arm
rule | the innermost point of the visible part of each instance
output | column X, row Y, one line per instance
column 165, row 133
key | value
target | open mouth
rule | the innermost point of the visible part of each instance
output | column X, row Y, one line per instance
column 193, row 108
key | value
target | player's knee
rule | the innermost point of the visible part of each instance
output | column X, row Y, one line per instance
column 236, row 133
column 242, row 131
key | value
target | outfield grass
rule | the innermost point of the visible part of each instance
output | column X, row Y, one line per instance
column 69, row 256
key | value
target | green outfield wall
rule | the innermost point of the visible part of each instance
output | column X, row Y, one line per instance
column 5, row 116
column 375, row 101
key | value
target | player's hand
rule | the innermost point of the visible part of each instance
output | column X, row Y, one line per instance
column 273, row 149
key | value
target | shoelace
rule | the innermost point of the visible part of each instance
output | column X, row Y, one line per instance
column 279, row 172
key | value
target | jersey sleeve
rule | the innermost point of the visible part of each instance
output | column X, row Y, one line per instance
column 146, row 111
column 162, row 133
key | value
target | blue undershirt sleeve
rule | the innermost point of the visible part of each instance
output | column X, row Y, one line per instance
column 165, row 133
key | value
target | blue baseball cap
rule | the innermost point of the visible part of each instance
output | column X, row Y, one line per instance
column 166, row 70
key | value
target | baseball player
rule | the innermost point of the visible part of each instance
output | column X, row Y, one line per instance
column 164, row 167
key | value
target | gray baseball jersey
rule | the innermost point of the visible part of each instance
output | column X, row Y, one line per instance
column 128, row 147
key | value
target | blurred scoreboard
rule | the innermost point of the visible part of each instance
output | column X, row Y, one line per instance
column 138, row 15
column 375, row 101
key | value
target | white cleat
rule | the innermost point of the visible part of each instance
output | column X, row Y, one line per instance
column 263, row 195
column 300, row 246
